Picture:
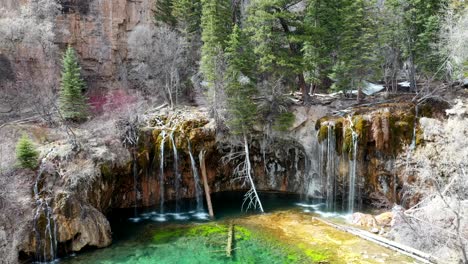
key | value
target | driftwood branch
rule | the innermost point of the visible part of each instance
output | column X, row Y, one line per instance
column 414, row 253
column 230, row 240
column 205, row 183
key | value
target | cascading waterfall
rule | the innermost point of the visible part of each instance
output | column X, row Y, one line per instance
column 330, row 169
column 135, row 188
column 161, row 173
column 352, row 174
column 412, row 146
column 176, row 172
column 196, row 179
column 46, row 240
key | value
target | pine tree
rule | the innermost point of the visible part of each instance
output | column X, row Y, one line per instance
column 163, row 12
column 322, row 25
column 356, row 59
column 72, row 103
column 188, row 16
column 277, row 33
column 419, row 26
column 216, row 25
column 240, row 85
column 26, row 153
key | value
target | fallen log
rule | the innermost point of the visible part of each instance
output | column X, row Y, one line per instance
column 201, row 157
column 229, row 241
column 406, row 250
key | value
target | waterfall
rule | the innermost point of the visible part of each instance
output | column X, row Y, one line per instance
column 321, row 163
column 176, row 173
column 412, row 146
column 161, row 173
column 330, row 167
column 46, row 240
column 352, row 174
column 196, row 179
column 135, row 189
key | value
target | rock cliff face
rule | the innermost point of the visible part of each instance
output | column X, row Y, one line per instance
column 98, row 29
column 81, row 187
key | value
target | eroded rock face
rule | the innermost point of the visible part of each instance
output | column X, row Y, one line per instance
column 80, row 224
column 281, row 164
column 98, row 30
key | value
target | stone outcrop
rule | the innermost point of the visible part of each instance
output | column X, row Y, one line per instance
column 99, row 30
column 101, row 175
column 80, row 224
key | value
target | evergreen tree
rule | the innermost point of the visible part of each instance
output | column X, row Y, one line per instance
column 240, row 85
column 357, row 54
column 277, row 32
column 188, row 16
column 322, row 24
column 163, row 12
column 216, row 26
column 215, row 22
column 72, row 102
column 420, row 26
column 26, row 153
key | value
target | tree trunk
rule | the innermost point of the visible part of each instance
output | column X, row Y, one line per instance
column 359, row 93
column 229, row 240
column 295, row 51
column 303, row 87
column 249, row 174
column 201, row 157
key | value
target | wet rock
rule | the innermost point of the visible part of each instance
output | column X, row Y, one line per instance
column 384, row 219
column 364, row 220
column 80, row 224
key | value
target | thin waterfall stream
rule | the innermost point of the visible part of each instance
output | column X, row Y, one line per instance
column 330, row 169
column 46, row 240
column 161, row 179
column 176, row 173
column 352, row 174
column 196, row 179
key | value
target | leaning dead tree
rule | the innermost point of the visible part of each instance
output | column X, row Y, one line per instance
column 243, row 172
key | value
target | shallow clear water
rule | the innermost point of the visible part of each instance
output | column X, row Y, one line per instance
column 154, row 238
column 287, row 236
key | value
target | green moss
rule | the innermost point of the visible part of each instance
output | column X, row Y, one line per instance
column 242, row 233
column 348, row 140
column 361, row 128
column 339, row 135
column 106, row 172
column 207, row 230
column 419, row 137
column 318, row 124
column 284, row 121
column 401, row 130
column 168, row 235
column 322, row 134
column 314, row 254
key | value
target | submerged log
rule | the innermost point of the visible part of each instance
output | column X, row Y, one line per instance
column 406, row 250
column 229, row 240
column 205, row 184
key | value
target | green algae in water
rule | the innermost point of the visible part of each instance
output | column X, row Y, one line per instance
column 198, row 243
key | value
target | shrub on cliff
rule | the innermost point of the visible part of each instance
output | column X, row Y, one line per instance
column 72, row 103
column 26, row 153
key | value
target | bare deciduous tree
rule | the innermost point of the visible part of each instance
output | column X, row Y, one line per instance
column 28, row 37
column 158, row 61
column 454, row 34
column 439, row 221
